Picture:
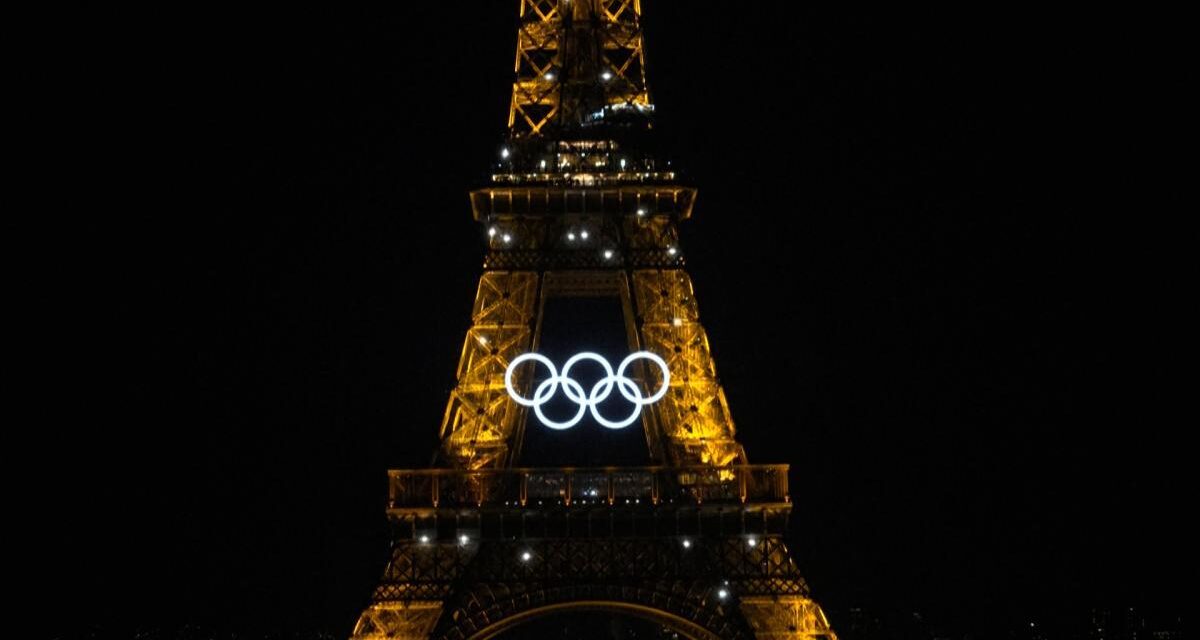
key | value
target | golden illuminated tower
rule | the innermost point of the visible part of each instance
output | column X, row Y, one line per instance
column 581, row 213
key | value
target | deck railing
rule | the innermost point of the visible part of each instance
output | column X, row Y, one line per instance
column 615, row 486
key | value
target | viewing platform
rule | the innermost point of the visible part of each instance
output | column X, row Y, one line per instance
column 424, row 489
column 591, row 501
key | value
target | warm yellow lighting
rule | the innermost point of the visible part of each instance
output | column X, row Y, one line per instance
column 689, row 430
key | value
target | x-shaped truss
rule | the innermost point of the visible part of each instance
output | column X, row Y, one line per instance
column 541, row 38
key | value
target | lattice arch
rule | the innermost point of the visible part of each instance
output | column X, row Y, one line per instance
column 685, row 606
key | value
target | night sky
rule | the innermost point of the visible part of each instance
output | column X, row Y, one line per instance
column 920, row 288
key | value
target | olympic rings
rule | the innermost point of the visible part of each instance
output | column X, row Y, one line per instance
column 599, row 392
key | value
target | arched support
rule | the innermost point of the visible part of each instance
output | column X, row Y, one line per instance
column 684, row 606
column 688, row 628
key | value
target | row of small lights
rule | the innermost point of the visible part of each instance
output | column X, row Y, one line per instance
column 515, row 503
column 506, row 237
column 641, row 212
column 527, row 556
column 563, row 164
column 606, row 75
column 583, row 235
column 686, row 543
column 541, row 502
column 722, row 591
column 462, row 539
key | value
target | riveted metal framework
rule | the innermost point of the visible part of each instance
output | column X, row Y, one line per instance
column 702, row 545
column 576, row 60
column 582, row 205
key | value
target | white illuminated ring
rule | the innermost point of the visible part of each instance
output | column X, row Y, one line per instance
column 599, row 392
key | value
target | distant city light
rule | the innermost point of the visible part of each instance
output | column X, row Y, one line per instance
column 672, row 250
column 526, row 556
column 424, row 539
column 687, row 544
column 583, row 234
column 607, row 75
column 608, row 254
column 492, row 232
column 504, row 152
column 722, row 594
column 507, row 238
column 463, row 539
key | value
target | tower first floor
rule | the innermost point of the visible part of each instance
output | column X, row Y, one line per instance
column 697, row 551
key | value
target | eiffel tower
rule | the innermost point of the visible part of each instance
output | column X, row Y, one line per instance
column 517, row 522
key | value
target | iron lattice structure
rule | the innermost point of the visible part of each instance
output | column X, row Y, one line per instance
column 562, row 48
column 581, row 205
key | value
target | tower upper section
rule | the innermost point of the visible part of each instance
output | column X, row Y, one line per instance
column 580, row 66
column 581, row 110
column 581, row 205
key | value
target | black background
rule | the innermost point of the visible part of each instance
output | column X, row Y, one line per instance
column 931, row 281
column 571, row 325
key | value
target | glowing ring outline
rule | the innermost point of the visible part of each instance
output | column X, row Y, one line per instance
column 653, row 357
column 599, row 392
column 513, row 365
column 559, row 426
